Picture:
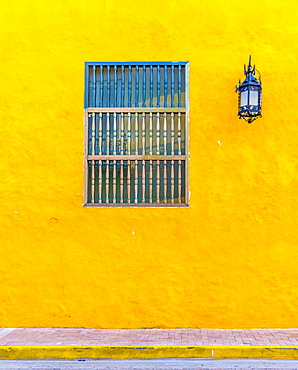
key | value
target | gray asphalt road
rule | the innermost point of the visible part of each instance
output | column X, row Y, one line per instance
column 166, row 364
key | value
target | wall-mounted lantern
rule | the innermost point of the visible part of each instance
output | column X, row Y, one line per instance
column 249, row 95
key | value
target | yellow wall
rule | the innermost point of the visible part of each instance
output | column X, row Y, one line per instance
column 228, row 261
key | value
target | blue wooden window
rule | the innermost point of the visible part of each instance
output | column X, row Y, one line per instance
column 136, row 134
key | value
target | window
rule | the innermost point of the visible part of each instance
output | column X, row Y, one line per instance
column 136, row 134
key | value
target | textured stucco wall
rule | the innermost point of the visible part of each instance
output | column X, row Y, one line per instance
column 228, row 261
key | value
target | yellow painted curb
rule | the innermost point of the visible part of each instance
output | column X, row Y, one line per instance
column 147, row 352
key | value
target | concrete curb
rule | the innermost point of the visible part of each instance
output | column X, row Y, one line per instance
column 27, row 352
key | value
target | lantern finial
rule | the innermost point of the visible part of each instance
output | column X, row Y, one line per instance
column 249, row 68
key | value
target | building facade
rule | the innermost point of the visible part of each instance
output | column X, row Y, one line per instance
column 228, row 257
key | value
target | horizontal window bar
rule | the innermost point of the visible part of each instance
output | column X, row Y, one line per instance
column 153, row 205
column 135, row 63
column 137, row 157
column 135, row 110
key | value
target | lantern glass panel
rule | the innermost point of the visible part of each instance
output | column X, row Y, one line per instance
column 254, row 98
column 244, row 98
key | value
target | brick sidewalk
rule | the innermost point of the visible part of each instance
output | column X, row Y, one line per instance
column 163, row 337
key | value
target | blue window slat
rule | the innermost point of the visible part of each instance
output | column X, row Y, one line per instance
column 158, row 86
column 108, row 85
column 129, row 86
column 122, row 85
column 172, row 86
column 101, row 87
column 144, row 87
column 165, row 86
column 137, row 87
column 115, row 86
column 93, row 84
column 151, row 86
column 179, row 86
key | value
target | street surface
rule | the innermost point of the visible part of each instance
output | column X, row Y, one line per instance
column 164, row 364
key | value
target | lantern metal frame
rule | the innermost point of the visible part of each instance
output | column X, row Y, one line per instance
column 247, row 92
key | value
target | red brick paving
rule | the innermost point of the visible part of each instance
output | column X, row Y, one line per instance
column 85, row 337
